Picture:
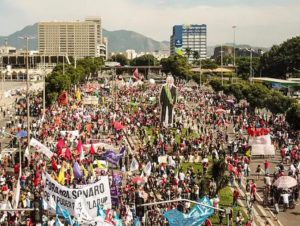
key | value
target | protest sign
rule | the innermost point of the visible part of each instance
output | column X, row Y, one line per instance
column 39, row 147
column 95, row 194
column 74, row 133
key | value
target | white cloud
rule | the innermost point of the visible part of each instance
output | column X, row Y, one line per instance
column 255, row 25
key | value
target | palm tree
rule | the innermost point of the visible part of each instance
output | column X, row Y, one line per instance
column 188, row 52
column 196, row 55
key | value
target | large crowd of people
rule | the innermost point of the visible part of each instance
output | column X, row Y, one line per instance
column 207, row 126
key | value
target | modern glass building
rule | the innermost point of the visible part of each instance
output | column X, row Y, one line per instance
column 192, row 37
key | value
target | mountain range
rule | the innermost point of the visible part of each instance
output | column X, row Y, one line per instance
column 118, row 41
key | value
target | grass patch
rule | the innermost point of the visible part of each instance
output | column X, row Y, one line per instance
column 225, row 196
column 196, row 166
column 182, row 133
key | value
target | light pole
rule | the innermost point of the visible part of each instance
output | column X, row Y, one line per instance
column 27, row 38
column 200, row 72
column 251, row 70
column 44, row 88
column 222, row 64
column 234, row 27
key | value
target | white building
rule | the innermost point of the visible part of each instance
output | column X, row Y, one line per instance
column 72, row 38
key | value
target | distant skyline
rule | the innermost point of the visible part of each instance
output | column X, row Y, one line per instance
column 259, row 23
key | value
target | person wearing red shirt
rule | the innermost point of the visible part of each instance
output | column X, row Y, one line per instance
column 236, row 195
column 208, row 222
column 267, row 167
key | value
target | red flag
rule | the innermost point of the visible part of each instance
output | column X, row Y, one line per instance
column 54, row 164
column 63, row 98
column 79, row 147
column 136, row 76
column 92, row 150
column 68, row 153
column 109, row 218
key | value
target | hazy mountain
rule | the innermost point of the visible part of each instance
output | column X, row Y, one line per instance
column 15, row 40
column 121, row 40
column 118, row 41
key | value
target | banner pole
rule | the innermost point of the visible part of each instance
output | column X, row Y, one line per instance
column 181, row 200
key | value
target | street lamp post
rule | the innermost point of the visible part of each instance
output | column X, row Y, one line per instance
column 251, row 70
column 234, row 27
column 222, row 64
column 200, row 72
column 27, row 38
column 44, row 88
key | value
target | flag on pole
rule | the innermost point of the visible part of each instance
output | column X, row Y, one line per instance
column 109, row 218
column 134, row 165
column 147, row 168
column 63, row 98
column 77, row 171
column 61, row 176
column 136, row 222
column 57, row 222
column 78, row 95
column 64, row 213
column 136, row 75
column 18, row 189
column 100, row 212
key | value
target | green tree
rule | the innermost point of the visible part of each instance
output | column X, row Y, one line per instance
column 293, row 116
column 188, row 52
column 281, row 59
column 277, row 103
column 121, row 59
column 176, row 65
column 243, row 66
column 209, row 64
column 196, row 56
column 218, row 173
column 145, row 60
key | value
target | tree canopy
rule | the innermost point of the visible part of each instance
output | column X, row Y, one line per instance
column 176, row 65
column 121, row 59
column 281, row 59
column 145, row 60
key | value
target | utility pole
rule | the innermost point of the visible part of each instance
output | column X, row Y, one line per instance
column 251, row 70
column 44, row 88
column 27, row 38
column 222, row 64
column 200, row 83
column 234, row 27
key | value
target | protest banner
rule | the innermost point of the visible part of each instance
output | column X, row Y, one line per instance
column 90, row 100
column 39, row 147
column 74, row 133
column 95, row 194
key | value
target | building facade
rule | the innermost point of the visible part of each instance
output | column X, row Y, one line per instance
column 189, row 37
column 76, row 39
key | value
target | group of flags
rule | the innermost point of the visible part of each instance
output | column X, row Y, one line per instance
column 134, row 166
column 197, row 215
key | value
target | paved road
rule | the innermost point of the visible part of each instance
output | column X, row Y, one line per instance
column 289, row 218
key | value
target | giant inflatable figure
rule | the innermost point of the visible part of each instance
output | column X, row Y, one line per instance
column 167, row 101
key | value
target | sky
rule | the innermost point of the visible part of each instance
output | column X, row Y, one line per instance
column 259, row 22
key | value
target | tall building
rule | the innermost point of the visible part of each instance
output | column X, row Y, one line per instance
column 192, row 37
column 77, row 39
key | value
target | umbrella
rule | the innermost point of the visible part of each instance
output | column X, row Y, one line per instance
column 205, row 160
column 230, row 101
column 118, row 126
column 22, row 133
column 137, row 180
column 285, row 182
column 151, row 81
column 220, row 110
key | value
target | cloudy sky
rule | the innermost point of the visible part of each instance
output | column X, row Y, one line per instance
column 259, row 22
